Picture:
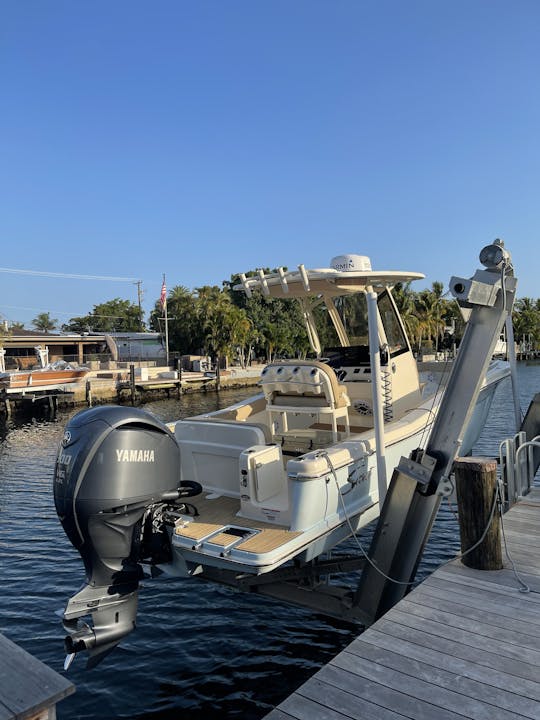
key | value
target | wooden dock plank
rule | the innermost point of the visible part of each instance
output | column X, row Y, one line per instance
column 485, row 659
column 502, row 587
column 463, row 644
column 318, row 699
column 472, row 626
column 480, row 697
column 522, row 539
column 506, row 576
column 427, row 686
column 465, row 669
column 381, row 692
column 476, row 640
column 490, row 613
column 278, row 715
column 525, row 522
column 27, row 686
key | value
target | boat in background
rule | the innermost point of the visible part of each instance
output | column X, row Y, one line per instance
column 44, row 375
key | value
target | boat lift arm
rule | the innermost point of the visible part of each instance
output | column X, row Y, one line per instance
column 419, row 482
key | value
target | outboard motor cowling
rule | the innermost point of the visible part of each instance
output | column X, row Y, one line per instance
column 114, row 464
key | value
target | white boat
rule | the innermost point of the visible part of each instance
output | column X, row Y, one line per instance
column 291, row 471
column 284, row 475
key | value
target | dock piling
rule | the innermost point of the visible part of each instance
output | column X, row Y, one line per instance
column 479, row 514
column 132, row 383
column 88, row 393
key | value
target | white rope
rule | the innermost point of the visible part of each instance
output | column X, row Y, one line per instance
column 496, row 499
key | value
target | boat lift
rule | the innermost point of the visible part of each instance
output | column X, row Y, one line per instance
column 418, row 483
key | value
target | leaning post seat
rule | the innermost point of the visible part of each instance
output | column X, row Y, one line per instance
column 297, row 387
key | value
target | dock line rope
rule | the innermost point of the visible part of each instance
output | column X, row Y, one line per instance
column 325, row 454
column 524, row 588
column 497, row 500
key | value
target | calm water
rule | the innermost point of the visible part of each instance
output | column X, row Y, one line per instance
column 200, row 651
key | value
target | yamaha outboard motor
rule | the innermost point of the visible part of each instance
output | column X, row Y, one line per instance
column 117, row 493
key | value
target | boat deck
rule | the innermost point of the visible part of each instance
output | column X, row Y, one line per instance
column 464, row 644
column 222, row 510
column 218, row 536
column 218, row 514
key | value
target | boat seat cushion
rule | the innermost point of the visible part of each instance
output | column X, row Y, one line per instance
column 289, row 380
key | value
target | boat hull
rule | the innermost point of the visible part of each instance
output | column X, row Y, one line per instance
column 40, row 378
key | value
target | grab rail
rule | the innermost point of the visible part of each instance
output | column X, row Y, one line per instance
column 517, row 466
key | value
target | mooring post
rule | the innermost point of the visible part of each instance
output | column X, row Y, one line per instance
column 88, row 393
column 179, row 370
column 132, row 383
column 476, row 488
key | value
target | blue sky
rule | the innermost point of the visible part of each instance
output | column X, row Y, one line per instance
column 204, row 138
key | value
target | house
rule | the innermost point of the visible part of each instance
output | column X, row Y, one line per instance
column 20, row 347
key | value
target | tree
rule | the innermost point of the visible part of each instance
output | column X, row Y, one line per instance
column 112, row 316
column 277, row 325
column 224, row 324
column 44, row 322
column 406, row 302
column 185, row 333
column 526, row 321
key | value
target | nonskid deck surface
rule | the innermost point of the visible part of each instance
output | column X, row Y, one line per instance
column 264, row 541
column 222, row 511
column 218, row 516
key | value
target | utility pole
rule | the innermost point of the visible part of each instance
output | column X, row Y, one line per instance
column 163, row 300
column 140, row 294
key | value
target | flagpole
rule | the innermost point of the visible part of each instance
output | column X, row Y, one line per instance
column 166, row 323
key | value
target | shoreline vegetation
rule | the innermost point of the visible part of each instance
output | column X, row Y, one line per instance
column 221, row 323
column 237, row 331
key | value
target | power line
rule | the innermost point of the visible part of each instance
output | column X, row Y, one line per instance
column 59, row 312
column 39, row 309
column 71, row 276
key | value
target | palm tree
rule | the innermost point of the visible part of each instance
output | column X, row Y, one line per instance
column 223, row 323
column 44, row 322
column 406, row 301
column 185, row 331
column 526, row 319
column 431, row 312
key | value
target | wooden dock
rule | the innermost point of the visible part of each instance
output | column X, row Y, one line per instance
column 463, row 644
column 29, row 690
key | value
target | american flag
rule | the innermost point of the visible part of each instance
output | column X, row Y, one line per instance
column 163, row 296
